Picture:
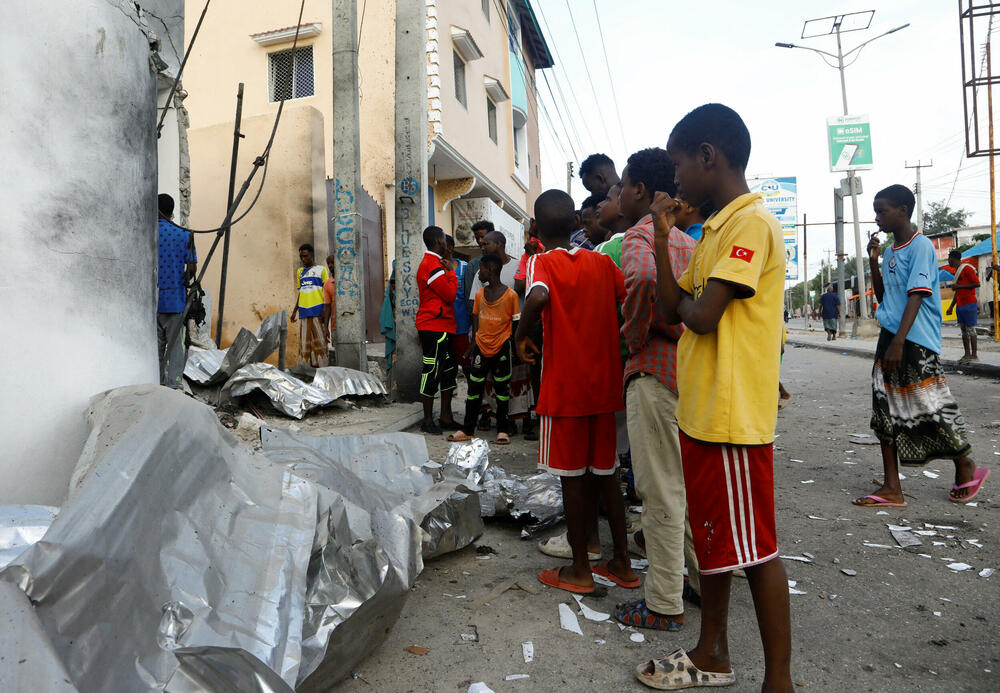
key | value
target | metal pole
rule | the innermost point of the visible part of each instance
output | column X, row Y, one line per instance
column 805, row 271
column 411, row 189
column 569, row 177
column 223, row 272
column 346, row 245
column 993, row 203
column 838, row 215
column 858, row 250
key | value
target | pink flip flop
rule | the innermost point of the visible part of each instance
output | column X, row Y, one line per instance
column 978, row 479
column 880, row 502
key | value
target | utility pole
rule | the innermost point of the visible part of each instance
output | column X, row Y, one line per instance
column 838, row 215
column 224, row 268
column 346, row 243
column 918, row 191
column 569, row 177
column 805, row 271
column 827, row 28
column 411, row 190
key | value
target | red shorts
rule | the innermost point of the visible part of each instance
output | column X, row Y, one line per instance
column 730, row 495
column 575, row 445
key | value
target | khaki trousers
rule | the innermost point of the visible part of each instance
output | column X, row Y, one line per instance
column 659, row 481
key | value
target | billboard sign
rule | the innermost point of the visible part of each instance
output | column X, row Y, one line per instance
column 850, row 141
column 780, row 196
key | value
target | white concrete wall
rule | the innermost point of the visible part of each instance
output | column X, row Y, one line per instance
column 77, row 209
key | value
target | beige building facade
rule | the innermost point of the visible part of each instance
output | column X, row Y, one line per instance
column 483, row 152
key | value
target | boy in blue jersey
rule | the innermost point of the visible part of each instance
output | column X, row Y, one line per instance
column 914, row 414
column 176, row 264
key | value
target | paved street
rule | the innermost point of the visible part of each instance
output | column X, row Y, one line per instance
column 905, row 622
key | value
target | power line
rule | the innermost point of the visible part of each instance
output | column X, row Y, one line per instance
column 559, row 112
column 982, row 68
column 611, row 80
column 579, row 43
column 562, row 64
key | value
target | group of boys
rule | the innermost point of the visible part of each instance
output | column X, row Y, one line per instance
column 684, row 335
column 700, row 400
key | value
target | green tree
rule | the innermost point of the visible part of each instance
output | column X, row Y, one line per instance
column 944, row 218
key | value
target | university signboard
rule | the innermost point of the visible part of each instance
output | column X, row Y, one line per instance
column 850, row 142
column 780, row 196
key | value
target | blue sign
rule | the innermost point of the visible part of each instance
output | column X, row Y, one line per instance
column 409, row 186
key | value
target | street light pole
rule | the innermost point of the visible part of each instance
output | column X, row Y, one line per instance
column 837, row 24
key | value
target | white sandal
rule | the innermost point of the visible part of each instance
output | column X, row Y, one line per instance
column 558, row 547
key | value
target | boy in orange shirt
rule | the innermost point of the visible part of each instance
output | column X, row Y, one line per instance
column 490, row 352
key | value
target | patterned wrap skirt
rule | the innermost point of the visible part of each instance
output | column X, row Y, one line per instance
column 913, row 408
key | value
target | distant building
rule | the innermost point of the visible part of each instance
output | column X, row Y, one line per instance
column 483, row 150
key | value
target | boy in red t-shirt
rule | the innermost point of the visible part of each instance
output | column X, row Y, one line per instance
column 967, row 310
column 577, row 406
column 438, row 286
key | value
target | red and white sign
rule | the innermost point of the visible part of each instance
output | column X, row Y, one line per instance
column 741, row 253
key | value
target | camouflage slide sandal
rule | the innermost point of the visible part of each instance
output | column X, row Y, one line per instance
column 677, row 671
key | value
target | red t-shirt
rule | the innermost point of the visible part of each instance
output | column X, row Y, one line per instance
column 581, row 354
column 965, row 274
column 437, row 289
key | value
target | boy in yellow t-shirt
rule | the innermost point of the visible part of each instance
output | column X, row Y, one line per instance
column 730, row 299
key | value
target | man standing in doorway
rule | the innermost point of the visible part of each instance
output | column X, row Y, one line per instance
column 965, row 304
column 309, row 309
column 830, row 303
column 177, row 262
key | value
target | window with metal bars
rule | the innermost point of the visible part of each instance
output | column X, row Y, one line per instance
column 291, row 74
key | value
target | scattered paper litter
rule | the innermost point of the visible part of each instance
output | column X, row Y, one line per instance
column 905, row 538
column 931, row 475
column 882, row 512
column 944, row 599
column 480, row 688
column 599, row 642
column 876, row 546
column 973, row 504
column 925, row 555
column 975, row 542
column 800, row 559
column 588, row 613
column 516, row 677
column 898, row 665
column 926, row 532
column 568, row 620
column 816, row 517
column 860, row 435
column 601, row 580
column 848, row 572
column 986, row 572
column 639, row 564
column 637, row 637
column 528, row 650
column 937, row 613
column 417, row 650
column 959, row 567
column 799, row 461
column 930, row 526
column 899, row 528
column 469, row 637
column 792, row 590
column 620, row 626
column 808, row 481
column 808, row 555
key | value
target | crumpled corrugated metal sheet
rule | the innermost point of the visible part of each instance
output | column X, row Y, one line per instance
column 536, row 498
column 21, row 526
column 183, row 562
column 295, row 398
column 213, row 366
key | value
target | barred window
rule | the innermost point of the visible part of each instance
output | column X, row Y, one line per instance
column 291, row 74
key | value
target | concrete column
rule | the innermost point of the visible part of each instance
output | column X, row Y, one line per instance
column 346, row 243
column 411, row 188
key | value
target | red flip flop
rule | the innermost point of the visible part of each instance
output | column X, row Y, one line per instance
column 880, row 502
column 551, row 578
column 602, row 570
column 978, row 479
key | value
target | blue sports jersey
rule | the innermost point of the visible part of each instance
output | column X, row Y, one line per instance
column 912, row 267
column 175, row 252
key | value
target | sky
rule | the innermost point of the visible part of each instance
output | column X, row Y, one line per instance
column 668, row 57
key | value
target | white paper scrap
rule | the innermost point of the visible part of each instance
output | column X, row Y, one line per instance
column 799, row 461
column 792, row 590
column 930, row 526
column 877, row 546
column 639, row 564
column 808, row 481
column 899, row 528
column 800, row 559
column 516, row 677
column 959, row 567
column 975, row 542
column 937, row 613
column 588, row 613
column 637, row 637
column 599, row 642
column 986, row 572
column 931, row 475
column 882, row 512
column 973, row 504
column 601, row 580
column 568, row 620
column 926, row 532
column 816, row 517
column 528, row 650
column 480, row 688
